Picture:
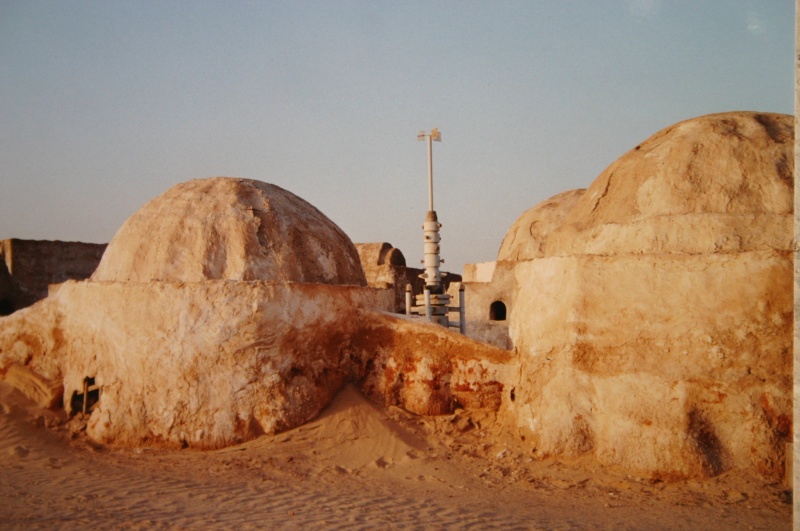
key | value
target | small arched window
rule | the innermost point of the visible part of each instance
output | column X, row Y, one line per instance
column 497, row 311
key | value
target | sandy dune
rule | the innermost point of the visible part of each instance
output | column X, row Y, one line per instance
column 356, row 467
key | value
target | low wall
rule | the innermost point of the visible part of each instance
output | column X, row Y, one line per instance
column 28, row 267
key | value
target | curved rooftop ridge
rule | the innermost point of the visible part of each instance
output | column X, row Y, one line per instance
column 226, row 228
column 713, row 184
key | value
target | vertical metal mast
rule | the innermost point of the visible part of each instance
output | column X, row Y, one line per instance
column 430, row 137
column 434, row 299
column 433, row 277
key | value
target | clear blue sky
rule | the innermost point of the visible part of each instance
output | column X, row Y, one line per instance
column 105, row 105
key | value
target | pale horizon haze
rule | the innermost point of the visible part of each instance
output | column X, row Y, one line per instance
column 106, row 105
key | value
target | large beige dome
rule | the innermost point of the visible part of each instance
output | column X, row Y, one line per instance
column 716, row 183
column 230, row 229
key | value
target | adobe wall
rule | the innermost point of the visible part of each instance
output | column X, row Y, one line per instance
column 214, row 363
column 482, row 323
column 27, row 267
column 673, row 366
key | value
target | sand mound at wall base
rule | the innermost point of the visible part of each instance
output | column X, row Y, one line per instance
column 359, row 433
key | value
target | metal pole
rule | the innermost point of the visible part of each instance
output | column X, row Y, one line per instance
column 430, row 173
column 431, row 226
column 462, row 310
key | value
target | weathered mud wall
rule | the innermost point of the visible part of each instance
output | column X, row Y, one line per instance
column 684, row 372
column 426, row 369
column 215, row 363
column 27, row 267
column 204, row 364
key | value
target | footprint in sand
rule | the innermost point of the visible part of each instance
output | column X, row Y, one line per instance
column 19, row 451
column 53, row 463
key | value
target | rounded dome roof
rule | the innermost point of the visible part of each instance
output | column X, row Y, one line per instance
column 230, row 229
column 527, row 237
column 716, row 183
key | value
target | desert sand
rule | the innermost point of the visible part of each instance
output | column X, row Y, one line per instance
column 357, row 466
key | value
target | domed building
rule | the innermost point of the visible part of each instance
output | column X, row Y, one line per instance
column 653, row 312
column 230, row 229
column 218, row 312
